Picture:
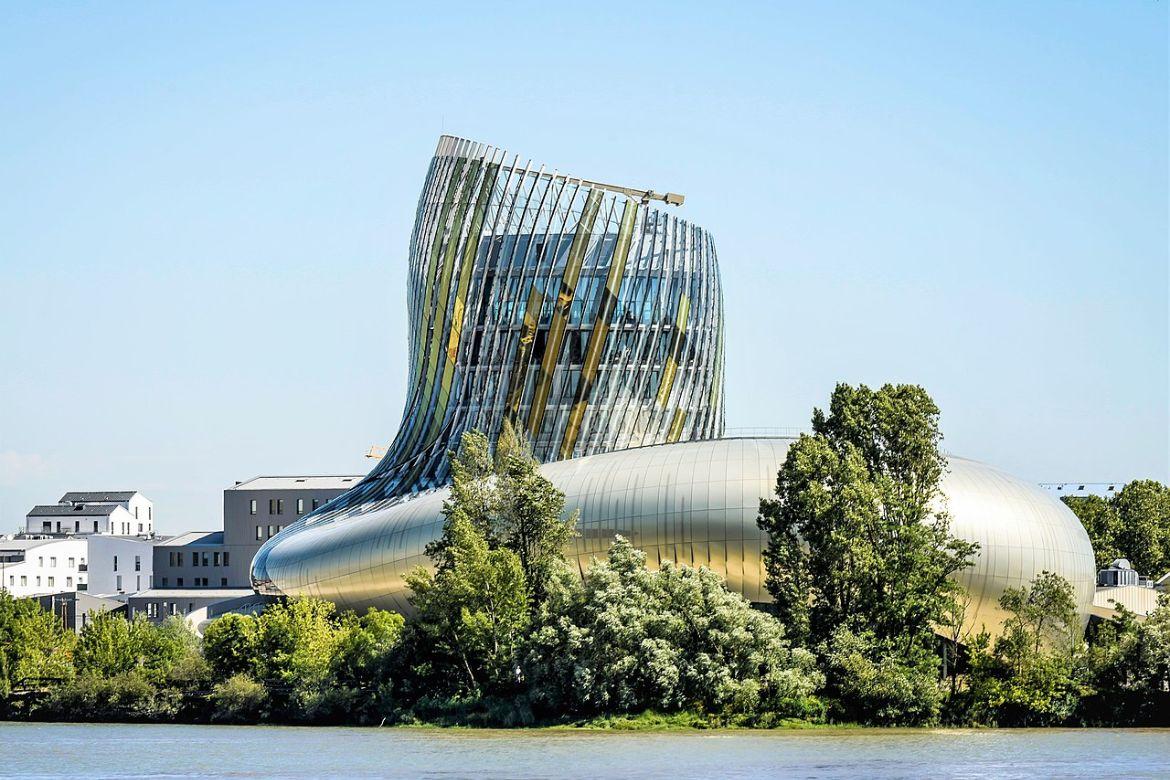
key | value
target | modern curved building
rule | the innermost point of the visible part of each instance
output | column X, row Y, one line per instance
column 592, row 320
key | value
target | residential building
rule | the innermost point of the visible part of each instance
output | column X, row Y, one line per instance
column 118, row 513
column 76, row 609
column 98, row 564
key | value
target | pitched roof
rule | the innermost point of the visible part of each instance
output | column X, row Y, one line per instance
column 74, row 510
column 81, row 496
column 192, row 538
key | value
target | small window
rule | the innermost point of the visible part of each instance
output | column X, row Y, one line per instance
column 140, row 528
column 215, row 559
column 300, row 506
column 72, row 563
column 52, row 561
column 271, row 531
column 316, row 503
column 115, row 563
column 52, row 581
column 118, row 584
column 280, row 506
column 171, row 558
column 223, row 582
column 137, row 563
column 225, row 557
column 68, row 582
column 38, row 581
column 165, row 583
column 23, row 579
column 1082, row 487
column 77, row 526
column 41, row 561
column 259, row 532
column 179, row 558
column 194, row 559
column 252, row 507
column 179, row 582
column 272, row 506
column 205, row 559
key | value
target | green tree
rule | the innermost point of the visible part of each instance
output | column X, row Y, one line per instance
column 230, row 646
column 1143, row 534
column 471, row 614
column 296, row 642
column 1101, row 521
column 858, row 540
column 1134, row 524
column 1029, row 675
column 510, row 503
column 629, row 639
column 1129, row 667
column 35, row 648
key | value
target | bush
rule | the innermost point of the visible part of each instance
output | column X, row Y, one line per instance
column 238, row 699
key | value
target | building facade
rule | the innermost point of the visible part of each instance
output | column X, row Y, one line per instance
column 592, row 321
column 198, row 569
column 117, row 513
column 98, row 564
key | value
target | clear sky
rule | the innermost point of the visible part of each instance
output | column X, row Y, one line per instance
column 205, row 209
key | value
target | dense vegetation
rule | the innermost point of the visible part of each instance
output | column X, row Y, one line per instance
column 504, row 632
column 1133, row 524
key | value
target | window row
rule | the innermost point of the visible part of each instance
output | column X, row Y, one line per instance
column 273, row 530
column 199, row 558
column 276, row 506
column 196, row 582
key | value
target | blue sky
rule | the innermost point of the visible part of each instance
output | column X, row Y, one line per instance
column 204, row 215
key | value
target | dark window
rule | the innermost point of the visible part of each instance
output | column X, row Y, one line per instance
column 280, row 506
column 194, row 559
column 137, row 563
column 179, row 582
column 179, row 558
column 164, row 581
column 252, row 507
column 205, row 559
column 215, row 559
column 272, row 506
column 115, row 563
column 225, row 557
column 223, row 582
column 316, row 503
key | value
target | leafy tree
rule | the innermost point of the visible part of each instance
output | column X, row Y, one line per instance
column 1129, row 668
column 510, row 503
column 295, row 645
column 1029, row 675
column 1101, row 521
column 1144, row 531
column 471, row 614
column 528, row 517
column 881, row 681
column 1134, row 524
column 230, row 645
column 34, row 646
column 629, row 639
column 238, row 699
column 858, row 539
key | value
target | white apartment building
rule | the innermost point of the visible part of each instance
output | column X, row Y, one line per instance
column 117, row 513
column 99, row 564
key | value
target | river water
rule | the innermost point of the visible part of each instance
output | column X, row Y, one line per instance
column 166, row 751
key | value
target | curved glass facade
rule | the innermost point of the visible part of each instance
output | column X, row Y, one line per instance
column 588, row 318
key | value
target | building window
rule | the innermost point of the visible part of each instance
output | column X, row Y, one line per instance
column 137, row 563
column 316, row 503
column 171, row 558
column 38, row 581
column 300, row 506
column 252, row 507
column 52, row 561
column 272, row 506
column 259, row 532
column 205, row 559
column 215, row 559
column 140, row 528
column 164, row 581
column 76, row 526
column 179, row 582
column 115, row 563
column 52, row 581
column 135, row 513
column 271, row 531
column 194, row 559
column 280, row 506
column 152, row 609
column 118, row 583
column 223, row 582
column 68, row 582
column 72, row 563
column 150, row 513
column 24, row 579
column 137, row 582
column 41, row 561
column 95, row 522
column 225, row 557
